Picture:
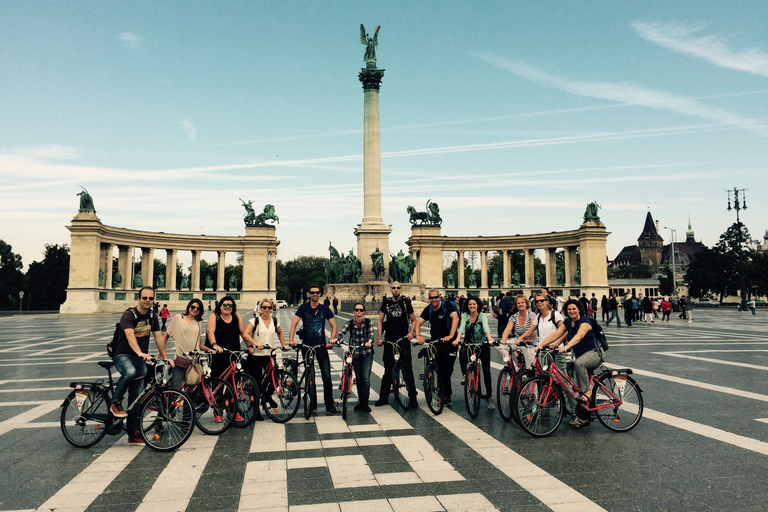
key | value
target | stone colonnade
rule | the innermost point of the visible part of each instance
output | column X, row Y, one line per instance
column 427, row 245
column 92, row 248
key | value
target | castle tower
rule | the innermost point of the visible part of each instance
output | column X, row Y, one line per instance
column 651, row 244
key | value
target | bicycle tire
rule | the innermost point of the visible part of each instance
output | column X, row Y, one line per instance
column 504, row 393
column 85, row 425
column 215, row 406
column 399, row 388
column 431, row 390
column 472, row 390
column 632, row 403
column 520, row 379
column 540, row 406
column 166, row 419
column 286, row 397
column 247, row 392
column 309, row 391
column 346, row 388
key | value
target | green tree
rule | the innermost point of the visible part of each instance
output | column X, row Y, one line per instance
column 640, row 271
column 11, row 278
column 709, row 272
column 297, row 274
column 666, row 282
column 46, row 281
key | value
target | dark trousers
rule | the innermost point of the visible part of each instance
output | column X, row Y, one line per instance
column 256, row 366
column 485, row 361
column 324, row 363
column 389, row 363
column 503, row 321
column 446, row 359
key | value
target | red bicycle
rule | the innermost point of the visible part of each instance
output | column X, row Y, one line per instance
column 214, row 399
column 280, row 389
column 246, row 388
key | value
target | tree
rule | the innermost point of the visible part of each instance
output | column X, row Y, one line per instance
column 45, row 283
column 11, row 278
column 710, row 271
column 296, row 275
column 666, row 282
column 639, row 271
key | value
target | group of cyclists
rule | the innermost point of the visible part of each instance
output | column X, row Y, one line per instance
column 531, row 326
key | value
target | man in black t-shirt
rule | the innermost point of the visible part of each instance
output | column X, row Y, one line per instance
column 443, row 322
column 393, row 325
column 131, row 356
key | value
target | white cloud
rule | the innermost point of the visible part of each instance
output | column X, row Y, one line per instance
column 190, row 130
column 628, row 94
column 130, row 40
column 712, row 48
column 53, row 152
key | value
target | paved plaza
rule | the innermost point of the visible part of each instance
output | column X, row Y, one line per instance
column 701, row 445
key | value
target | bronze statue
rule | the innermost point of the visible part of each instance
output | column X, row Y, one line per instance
column 472, row 280
column 208, row 282
column 160, row 281
column 102, row 277
column 86, row 201
column 450, row 283
column 516, row 278
column 560, row 278
column 267, row 214
column 117, row 279
column 591, row 211
column 334, row 267
column 250, row 215
column 138, row 282
column 184, row 282
column 577, row 277
column 232, row 283
column 537, row 278
column 429, row 218
column 370, row 46
column 377, row 259
column 495, row 281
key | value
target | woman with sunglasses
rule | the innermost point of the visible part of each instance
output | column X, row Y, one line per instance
column 474, row 326
column 519, row 326
column 361, row 335
column 264, row 329
column 224, row 328
column 185, row 329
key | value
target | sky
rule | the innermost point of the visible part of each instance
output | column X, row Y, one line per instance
column 511, row 115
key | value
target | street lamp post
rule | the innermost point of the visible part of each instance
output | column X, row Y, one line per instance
column 738, row 207
column 674, row 282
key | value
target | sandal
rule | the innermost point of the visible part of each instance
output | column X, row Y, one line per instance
column 581, row 397
column 580, row 424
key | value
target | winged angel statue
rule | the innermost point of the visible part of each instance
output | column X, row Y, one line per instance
column 370, row 46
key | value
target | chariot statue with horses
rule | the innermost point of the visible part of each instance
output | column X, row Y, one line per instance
column 431, row 217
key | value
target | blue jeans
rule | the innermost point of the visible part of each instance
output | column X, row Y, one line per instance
column 614, row 314
column 362, row 366
column 132, row 371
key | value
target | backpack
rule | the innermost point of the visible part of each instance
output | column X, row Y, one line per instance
column 112, row 345
column 597, row 331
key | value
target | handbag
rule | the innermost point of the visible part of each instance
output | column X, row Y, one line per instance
column 194, row 374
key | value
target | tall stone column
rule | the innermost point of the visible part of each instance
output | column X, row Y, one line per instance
column 530, row 271
column 195, row 277
column 460, row 270
column 148, row 266
column 371, row 232
column 550, row 266
column 108, row 266
column 506, row 270
column 125, row 266
column 220, row 271
column 170, row 269
column 483, row 269
column 273, row 271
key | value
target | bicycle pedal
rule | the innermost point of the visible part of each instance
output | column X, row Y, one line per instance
column 421, row 376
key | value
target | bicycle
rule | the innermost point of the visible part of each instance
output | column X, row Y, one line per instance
column 472, row 377
column 246, row 388
column 165, row 419
column 506, row 390
column 214, row 399
column 280, row 390
column 430, row 377
column 347, row 373
column 307, row 381
column 616, row 400
column 399, row 386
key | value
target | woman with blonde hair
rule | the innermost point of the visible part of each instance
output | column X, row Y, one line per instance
column 264, row 329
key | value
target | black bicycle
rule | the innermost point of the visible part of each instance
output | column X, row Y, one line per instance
column 166, row 416
column 399, row 387
column 430, row 377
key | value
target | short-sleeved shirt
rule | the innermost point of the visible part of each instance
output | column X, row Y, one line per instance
column 396, row 316
column 439, row 321
column 264, row 335
column 186, row 335
column 476, row 332
column 587, row 343
column 546, row 326
column 313, row 321
column 142, row 326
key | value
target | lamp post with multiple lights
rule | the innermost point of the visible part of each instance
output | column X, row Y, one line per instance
column 738, row 207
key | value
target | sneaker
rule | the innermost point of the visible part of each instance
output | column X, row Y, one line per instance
column 413, row 404
column 491, row 407
column 365, row 408
column 332, row 411
column 463, row 381
column 239, row 417
column 381, row 401
column 135, row 438
column 117, row 410
column 217, row 419
column 359, row 407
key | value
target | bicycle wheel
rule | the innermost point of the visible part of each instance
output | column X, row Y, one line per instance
column 520, row 379
column 505, row 393
column 346, row 388
column 282, row 404
column 431, row 390
column 540, row 406
column 85, row 418
column 247, row 392
column 472, row 390
column 309, row 391
column 399, row 389
column 619, row 418
column 215, row 406
column 166, row 419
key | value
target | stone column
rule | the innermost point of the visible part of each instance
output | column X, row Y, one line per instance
column 273, row 271
column 550, row 266
column 484, row 269
column 530, row 272
column 568, row 269
column 506, row 269
column 371, row 232
column 570, row 258
column 170, row 269
column 125, row 266
column 108, row 266
column 148, row 266
column 220, row 271
column 460, row 270
column 195, row 278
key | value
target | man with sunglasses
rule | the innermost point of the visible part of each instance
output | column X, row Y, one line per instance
column 443, row 321
column 313, row 316
column 393, row 325
column 131, row 357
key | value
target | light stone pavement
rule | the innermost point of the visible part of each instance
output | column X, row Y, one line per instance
column 701, row 445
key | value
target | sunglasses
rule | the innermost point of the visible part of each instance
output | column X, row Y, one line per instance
column 395, row 287
column 434, row 298
column 266, row 307
column 194, row 308
column 314, row 293
column 541, row 300
column 359, row 309
column 147, row 298
column 226, row 306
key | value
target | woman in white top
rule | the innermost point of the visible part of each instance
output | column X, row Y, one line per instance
column 519, row 326
column 185, row 330
column 265, row 330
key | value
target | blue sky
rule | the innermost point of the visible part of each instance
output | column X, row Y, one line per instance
column 512, row 116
